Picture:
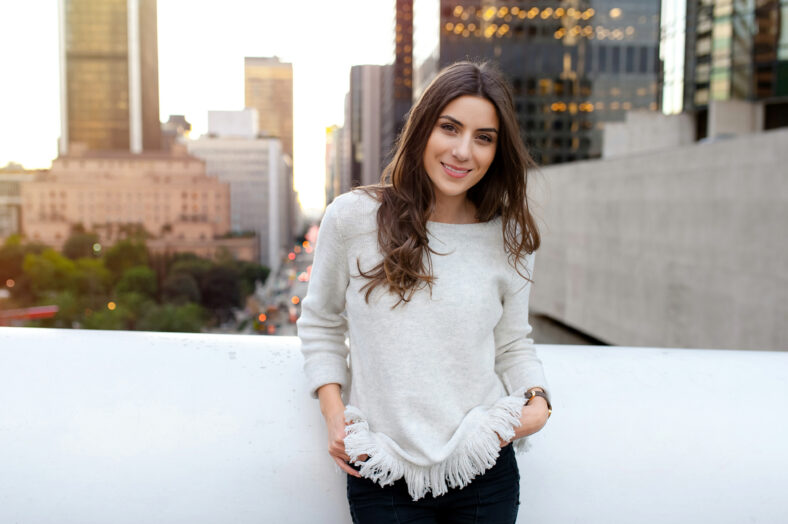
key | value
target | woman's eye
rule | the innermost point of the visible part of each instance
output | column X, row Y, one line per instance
column 485, row 138
column 447, row 127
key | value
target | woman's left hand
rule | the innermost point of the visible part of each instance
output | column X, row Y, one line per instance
column 532, row 418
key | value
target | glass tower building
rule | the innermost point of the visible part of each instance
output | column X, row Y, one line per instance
column 268, row 87
column 109, row 75
column 737, row 49
column 573, row 64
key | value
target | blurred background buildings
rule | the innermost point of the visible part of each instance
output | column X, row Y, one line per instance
column 109, row 75
column 112, row 137
column 659, row 127
column 649, row 228
column 268, row 87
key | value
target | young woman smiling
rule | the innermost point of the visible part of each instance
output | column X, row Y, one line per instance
column 428, row 273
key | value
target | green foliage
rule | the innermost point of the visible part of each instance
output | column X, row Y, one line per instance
column 70, row 311
column 125, row 254
column 249, row 273
column 193, row 265
column 220, row 291
column 13, row 253
column 80, row 245
column 170, row 317
column 106, row 319
column 139, row 279
column 92, row 279
column 179, row 288
column 50, row 272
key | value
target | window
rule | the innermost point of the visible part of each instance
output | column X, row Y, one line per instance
column 643, row 59
column 602, row 62
column 629, row 59
column 616, row 60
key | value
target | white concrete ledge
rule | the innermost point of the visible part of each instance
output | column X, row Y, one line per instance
column 129, row 427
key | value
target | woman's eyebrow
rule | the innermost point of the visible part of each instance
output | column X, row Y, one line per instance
column 457, row 122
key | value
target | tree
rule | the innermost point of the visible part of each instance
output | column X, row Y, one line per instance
column 220, row 291
column 169, row 317
column 191, row 265
column 125, row 254
column 93, row 280
column 250, row 273
column 139, row 279
column 50, row 272
column 80, row 245
column 12, row 254
column 180, row 288
column 106, row 319
column 69, row 311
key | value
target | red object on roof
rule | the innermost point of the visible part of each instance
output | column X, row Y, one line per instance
column 29, row 313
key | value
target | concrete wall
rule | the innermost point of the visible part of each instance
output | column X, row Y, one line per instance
column 130, row 427
column 734, row 117
column 683, row 247
column 644, row 131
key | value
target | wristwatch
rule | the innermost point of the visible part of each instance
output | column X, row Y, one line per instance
column 531, row 393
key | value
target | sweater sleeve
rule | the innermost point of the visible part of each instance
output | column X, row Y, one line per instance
column 322, row 325
column 516, row 362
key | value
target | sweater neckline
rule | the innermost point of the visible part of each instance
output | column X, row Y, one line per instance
column 470, row 225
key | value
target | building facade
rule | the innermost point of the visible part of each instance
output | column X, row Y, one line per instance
column 259, row 179
column 737, row 50
column 397, row 81
column 268, row 87
column 573, row 64
column 333, row 162
column 363, row 123
column 11, row 179
column 109, row 75
column 168, row 196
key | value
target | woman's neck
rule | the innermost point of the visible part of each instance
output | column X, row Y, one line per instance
column 454, row 211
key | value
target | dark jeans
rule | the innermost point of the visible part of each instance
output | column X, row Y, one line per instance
column 491, row 498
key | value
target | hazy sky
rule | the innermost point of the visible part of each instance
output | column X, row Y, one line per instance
column 202, row 44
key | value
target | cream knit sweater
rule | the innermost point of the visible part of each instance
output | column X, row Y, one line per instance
column 430, row 384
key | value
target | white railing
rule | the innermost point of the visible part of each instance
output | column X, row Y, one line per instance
column 131, row 427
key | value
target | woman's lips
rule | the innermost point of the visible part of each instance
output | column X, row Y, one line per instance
column 454, row 171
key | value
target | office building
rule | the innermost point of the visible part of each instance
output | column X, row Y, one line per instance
column 736, row 50
column 167, row 196
column 363, row 112
column 109, row 75
column 397, row 81
column 333, row 162
column 268, row 87
column 259, row 177
column 573, row 65
column 174, row 131
column 12, row 176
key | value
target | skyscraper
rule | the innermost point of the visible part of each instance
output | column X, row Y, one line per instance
column 261, row 187
column 397, row 81
column 268, row 87
column 109, row 75
column 363, row 124
column 573, row 64
column 737, row 50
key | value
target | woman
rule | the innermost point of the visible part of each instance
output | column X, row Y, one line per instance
column 429, row 275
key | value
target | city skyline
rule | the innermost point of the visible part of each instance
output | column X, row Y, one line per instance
column 205, row 72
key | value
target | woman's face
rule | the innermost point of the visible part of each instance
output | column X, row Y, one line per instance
column 461, row 146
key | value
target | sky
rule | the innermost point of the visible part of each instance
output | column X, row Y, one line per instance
column 202, row 44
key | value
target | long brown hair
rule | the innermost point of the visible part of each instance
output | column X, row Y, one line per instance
column 407, row 198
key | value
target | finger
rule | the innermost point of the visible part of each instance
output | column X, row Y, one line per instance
column 339, row 451
column 346, row 468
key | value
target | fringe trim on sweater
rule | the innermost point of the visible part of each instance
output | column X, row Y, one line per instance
column 475, row 455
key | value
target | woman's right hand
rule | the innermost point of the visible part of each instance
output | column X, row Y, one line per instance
column 335, row 423
column 333, row 410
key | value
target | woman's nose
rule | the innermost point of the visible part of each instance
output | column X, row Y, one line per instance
column 461, row 149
